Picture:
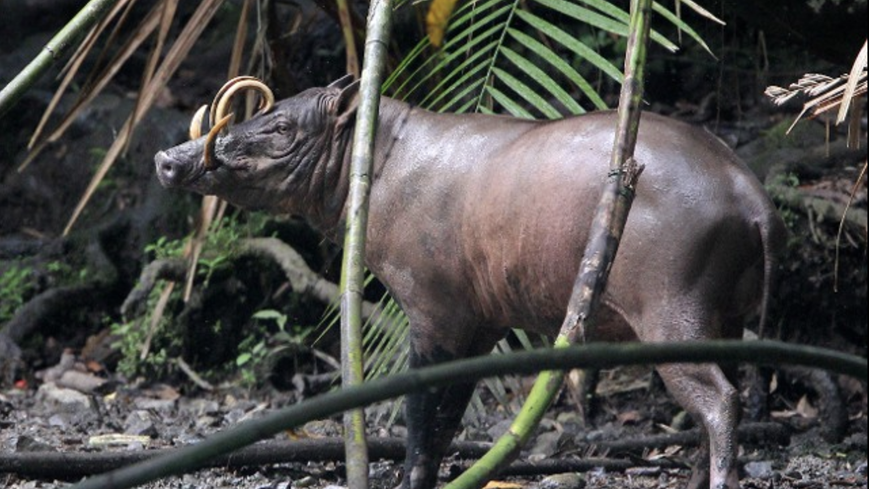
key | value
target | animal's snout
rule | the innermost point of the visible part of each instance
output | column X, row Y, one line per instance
column 170, row 170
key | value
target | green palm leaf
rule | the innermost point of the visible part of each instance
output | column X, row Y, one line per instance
column 521, row 58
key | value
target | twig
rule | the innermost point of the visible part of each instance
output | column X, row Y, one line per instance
column 842, row 224
column 302, row 279
column 192, row 375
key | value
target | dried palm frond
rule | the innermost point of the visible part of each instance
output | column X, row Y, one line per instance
column 825, row 93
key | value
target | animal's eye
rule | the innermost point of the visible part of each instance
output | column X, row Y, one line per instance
column 283, row 127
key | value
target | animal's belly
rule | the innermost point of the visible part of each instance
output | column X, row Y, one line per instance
column 542, row 309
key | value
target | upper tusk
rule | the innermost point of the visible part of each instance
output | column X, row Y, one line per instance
column 220, row 94
column 224, row 96
column 219, row 108
column 208, row 155
column 196, row 123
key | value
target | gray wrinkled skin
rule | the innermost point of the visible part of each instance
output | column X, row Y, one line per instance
column 478, row 223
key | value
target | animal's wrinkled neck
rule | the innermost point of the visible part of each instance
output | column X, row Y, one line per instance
column 330, row 217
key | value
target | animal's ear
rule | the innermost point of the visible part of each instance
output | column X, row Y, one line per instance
column 344, row 105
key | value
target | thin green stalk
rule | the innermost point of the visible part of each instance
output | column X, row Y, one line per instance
column 353, row 262
column 604, row 236
column 600, row 355
column 56, row 49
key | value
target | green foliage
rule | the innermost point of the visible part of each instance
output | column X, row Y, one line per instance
column 15, row 284
column 164, row 335
column 259, row 349
column 165, row 248
column 131, row 335
column 252, row 354
column 529, row 59
column 65, row 273
column 777, row 187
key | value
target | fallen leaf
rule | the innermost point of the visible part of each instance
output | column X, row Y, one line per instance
column 502, row 485
column 805, row 408
column 629, row 417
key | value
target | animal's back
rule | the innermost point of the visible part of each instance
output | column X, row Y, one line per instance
column 505, row 237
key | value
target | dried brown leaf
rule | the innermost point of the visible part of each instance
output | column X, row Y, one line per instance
column 72, row 67
column 177, row 53
column 142, row 32
column 854, row 77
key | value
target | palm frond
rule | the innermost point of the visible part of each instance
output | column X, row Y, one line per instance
column 528, row 59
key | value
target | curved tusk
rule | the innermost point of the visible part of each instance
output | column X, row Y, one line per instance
column 208, row 155
column 224, row 96
column 221, row 93
column 196, row 122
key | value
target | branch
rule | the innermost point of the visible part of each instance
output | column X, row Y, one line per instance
column 171, row 269
column 302, row 279
column 70, row 465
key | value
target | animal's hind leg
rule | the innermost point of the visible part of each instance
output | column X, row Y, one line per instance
column 433, row 416
column 706, row 393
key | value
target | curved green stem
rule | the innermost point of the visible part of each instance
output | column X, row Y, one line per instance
column 599, row 355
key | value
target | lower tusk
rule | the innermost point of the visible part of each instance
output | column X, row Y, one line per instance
column 208, row 156
column 196, row 122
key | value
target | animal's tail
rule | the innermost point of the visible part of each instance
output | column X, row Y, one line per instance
column 773, row 234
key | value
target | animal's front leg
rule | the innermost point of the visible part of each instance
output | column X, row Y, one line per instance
column 433, row 416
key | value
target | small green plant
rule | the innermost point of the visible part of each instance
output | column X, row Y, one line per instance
column 778, row 187
column 259, row 348
column 165, row 248
column 166, row 338
column 15, row 284
column 131, row 335
column 253, row 353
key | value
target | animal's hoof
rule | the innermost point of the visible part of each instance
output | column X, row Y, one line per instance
column 699, row 479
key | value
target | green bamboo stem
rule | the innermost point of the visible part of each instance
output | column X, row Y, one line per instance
column 53, row 51
column 600, row 355
column 353, row 262
column 604, row 236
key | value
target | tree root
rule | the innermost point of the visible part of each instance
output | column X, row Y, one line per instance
column 72, row 465
column 172, row 269
column 55, row 305
column 302, row 279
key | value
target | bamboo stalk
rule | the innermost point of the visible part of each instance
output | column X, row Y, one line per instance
column 352, row 266
column 52, row 52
